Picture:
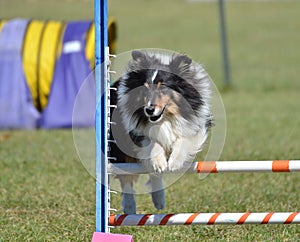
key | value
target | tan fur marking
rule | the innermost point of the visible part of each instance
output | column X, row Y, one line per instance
column 162, row 102
column 159, row 84
column 172, row 108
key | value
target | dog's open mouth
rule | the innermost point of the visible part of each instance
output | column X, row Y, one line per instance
column 155, row 118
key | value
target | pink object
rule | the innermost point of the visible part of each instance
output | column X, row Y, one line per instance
column 108, row 237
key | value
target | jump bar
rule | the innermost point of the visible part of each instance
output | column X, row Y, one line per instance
column 204, row 219
column 213, row 167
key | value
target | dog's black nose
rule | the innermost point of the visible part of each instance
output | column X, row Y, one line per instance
column 149, row 110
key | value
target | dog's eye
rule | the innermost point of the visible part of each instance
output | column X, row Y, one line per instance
column 163, row 85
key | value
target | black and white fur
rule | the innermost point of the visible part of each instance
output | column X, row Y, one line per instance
column 163, row 117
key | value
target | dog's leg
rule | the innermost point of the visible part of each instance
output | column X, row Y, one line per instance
column 156, row 160
column 184, row 150
column 128, row 197
column 157, row 191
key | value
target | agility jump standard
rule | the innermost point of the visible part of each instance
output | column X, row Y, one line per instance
column 104, row 220
column 214, row 167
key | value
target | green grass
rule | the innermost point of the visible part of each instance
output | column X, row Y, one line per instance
column 47, row 195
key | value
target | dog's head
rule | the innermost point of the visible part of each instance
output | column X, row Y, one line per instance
column 164, row 88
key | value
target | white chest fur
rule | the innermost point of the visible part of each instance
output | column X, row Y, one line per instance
column 162, row 133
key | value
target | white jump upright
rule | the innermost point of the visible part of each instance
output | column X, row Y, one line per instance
column 101, row 45
column 102, row 127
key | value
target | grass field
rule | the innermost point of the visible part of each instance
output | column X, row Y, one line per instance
column 47, row 195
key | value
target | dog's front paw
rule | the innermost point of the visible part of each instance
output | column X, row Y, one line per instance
column 175, row 163
column 157, row 164
column 160, row 163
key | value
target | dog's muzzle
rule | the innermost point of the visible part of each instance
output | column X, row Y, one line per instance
column 154, row 114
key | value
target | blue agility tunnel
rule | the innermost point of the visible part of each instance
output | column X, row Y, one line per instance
column 16, row 106
column 44, row 65
column 72, row 68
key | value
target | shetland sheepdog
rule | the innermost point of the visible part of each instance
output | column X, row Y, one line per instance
column 162, row 118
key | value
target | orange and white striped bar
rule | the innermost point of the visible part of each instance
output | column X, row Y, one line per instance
column 203, row 219
column 214, row 167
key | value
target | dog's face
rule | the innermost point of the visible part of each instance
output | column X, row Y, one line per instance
column 158, row 100
column 153, row 90
column 159, row 97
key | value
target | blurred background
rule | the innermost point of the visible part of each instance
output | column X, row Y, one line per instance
column 264, row 54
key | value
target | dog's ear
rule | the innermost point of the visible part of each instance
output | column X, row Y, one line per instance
column 179, row 63
column 140, row 58
column 138, row 55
